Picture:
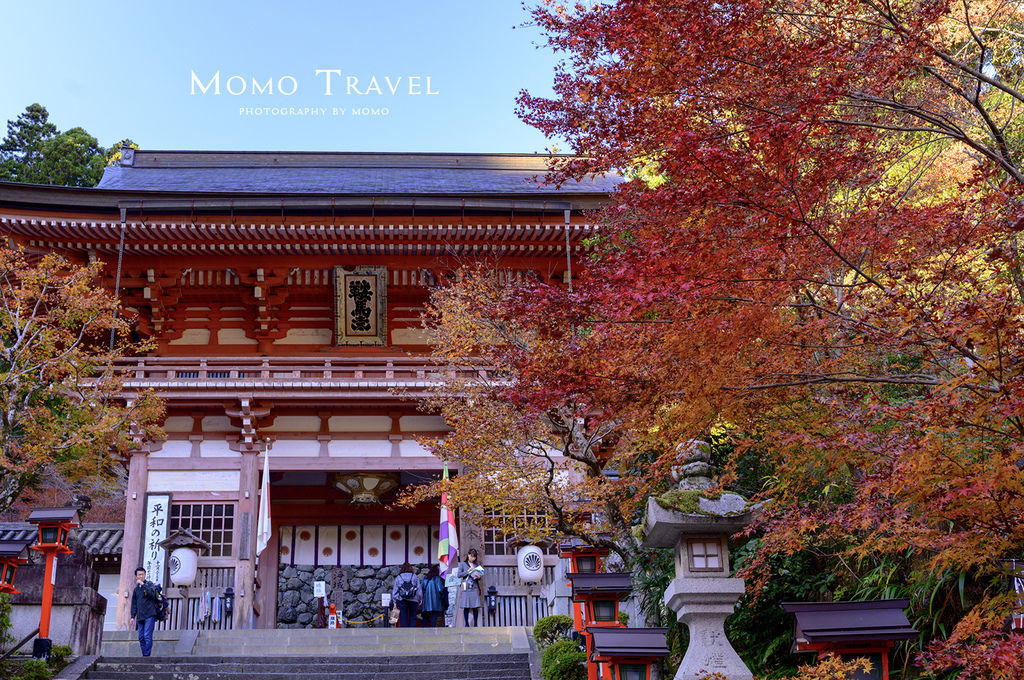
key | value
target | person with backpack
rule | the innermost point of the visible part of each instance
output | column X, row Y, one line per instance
column 435, row 597
column 147, row 606
column 407, row 593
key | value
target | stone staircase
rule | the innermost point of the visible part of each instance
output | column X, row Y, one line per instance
column 434, row 667
column 499, row 653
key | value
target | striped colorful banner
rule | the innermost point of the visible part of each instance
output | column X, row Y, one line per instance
column 448, row 539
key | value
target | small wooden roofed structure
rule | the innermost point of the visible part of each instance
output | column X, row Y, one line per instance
column 831, row 623
column 629, row 642
column 587, row 584
column 852, row 629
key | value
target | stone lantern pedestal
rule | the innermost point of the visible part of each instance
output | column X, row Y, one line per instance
column 702, row 594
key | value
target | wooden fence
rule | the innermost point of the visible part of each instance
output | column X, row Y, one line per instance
column 184, row 613
column 519, row 604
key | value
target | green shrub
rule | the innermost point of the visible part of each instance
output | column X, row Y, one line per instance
column 624, row 619
column 59, row 655
column 563, row 660
column 33, row 669
column 6, row 638
column 551, row 629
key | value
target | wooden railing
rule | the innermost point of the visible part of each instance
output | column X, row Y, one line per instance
column 519, row 604
column 184, row 613
column 380, row 376
column 334, row 369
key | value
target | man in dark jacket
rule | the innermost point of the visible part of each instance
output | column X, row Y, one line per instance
column 145, row 602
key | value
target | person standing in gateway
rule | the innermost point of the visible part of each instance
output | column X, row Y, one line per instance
column 145, row 601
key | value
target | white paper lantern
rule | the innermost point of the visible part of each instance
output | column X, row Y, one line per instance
column 183, row 565
column 530, row 560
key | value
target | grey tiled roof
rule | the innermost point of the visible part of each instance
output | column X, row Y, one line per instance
column 98, row 538
column 344, row 173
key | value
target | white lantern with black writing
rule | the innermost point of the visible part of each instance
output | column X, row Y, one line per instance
column 183, row 563
column 530, row 560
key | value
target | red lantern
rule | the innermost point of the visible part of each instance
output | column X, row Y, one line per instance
column 596, row 605
column 583, row 558
column 626, row 653
column 54, row 526
column 12, row 555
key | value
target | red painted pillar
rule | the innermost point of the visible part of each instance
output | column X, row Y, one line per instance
column 593, row 667
column 48, row 578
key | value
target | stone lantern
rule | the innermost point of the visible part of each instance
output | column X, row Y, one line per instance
column 703, row 595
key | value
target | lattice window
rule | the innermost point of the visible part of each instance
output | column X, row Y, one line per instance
column 705, row 554
column 494, row 539
column 212, row 522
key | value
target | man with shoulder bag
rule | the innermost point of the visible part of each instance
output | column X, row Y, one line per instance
column 146, row 609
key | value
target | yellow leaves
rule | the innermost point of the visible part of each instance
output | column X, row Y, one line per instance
column 60, row 413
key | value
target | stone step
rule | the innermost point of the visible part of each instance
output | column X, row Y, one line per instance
column 384, row 650
column 314, row 660
column 276, row 666
column 521, row 673
column 312, row 642
column 428, row 667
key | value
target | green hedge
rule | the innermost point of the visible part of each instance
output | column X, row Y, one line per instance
column 563, row 660
column 551, row 629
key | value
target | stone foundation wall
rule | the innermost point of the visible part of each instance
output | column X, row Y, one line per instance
column 355, row 591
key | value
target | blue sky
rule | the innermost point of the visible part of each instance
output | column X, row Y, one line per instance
column 124, row 69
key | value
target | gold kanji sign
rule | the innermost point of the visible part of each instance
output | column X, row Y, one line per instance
column 360, row 305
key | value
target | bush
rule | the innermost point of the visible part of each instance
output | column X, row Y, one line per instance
column 6, row 638
column 563, row 660
column 33, row 669
column 59, row 655
column 550, row 629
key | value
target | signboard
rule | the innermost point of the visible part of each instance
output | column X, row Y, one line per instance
column 360, row 305
column 332, row 621
column 452, row 582
column 385, row 600
column 319, row 589
column 158, row 516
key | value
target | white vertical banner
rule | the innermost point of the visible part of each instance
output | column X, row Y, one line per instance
column 1017, row 574
column 158, row 517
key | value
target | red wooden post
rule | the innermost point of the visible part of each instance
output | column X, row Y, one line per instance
column 50, row 575
column 54, row 526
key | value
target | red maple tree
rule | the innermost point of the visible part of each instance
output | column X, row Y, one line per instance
column 818, row 250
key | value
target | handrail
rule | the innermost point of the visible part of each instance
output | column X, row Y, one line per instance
column 12, row 650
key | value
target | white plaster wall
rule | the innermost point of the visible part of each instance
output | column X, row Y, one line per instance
column 294, row 424
column 193, row 336
column 178, row 424
column 359, row 424
column 174, row 448
column 295, row 448
column 193, row 480
column 306, row 336
column 217, row 424
column 217, row 448
column 410, row 448
column 234, row 336
column 354, row 448
column 423, row 424
column 108, row 589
